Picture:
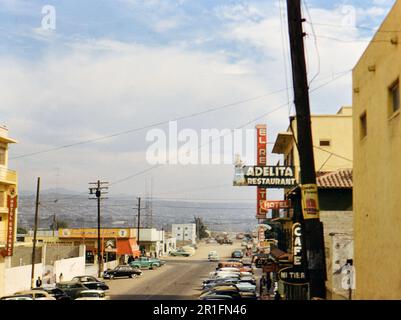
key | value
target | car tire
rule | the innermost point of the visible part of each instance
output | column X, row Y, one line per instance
column 154, row 267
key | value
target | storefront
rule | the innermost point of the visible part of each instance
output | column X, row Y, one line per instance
column 115, row 243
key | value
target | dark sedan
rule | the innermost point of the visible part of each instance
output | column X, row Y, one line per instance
column 71, row 288
column 91, row 283
column 122, row 272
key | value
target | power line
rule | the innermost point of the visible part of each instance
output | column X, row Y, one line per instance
column 354, row 27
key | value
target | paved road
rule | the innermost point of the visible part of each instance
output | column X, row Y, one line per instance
column 179, row 279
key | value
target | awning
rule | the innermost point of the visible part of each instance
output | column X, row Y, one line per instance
column 129, row 247
column 280, row 255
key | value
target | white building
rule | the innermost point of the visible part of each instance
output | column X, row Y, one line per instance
column 184, row 232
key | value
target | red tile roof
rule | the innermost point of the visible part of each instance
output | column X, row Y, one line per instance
column 340, row 179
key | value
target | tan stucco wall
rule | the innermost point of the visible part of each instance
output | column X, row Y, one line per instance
column 377, row 173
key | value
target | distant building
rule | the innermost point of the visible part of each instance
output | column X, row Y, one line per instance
column 184, row 232
column 8, row 205
column 377, row 174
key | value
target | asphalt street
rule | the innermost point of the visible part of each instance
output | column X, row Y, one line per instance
column 179, row 279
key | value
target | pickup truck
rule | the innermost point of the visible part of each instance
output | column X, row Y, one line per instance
column 146, row 263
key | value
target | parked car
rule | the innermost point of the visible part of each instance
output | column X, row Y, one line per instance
column 249, row 295
column 214, row 296
column 121, row 272
column 237, row 254
column 36, row 294
column 229, row 264
column 17, row 297
column 231, row 291
column 91, row 283
column 71, row 288
column 213, row 256
column 146, row 263
column 250, row 280
column 189, row 249
column 247, row 262
column 92, row 295
column 180, row 253
column 219, row 283
column 246, row 287
column 55, row 292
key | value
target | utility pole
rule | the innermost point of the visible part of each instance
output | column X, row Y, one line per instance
column 313, row 228
column 139, row 220
column 98, row 191
column 34, row 235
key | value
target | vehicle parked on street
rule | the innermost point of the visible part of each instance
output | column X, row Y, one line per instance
column 246, row 287
column 229, row 264
column 250, row 280
column 71, row 288
column 180, row 253
column 122, row 272
column 231, row 291
column 219, row 283
column 36, row 294
column 92, row 295
column 17, row 297
column 55, row 292
column 146, row 263
column 216, row 297
column 91, row 282
column 189, row 249
column 237, row 254
column 213, row 256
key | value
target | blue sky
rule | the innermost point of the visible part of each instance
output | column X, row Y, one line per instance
column 115, row 65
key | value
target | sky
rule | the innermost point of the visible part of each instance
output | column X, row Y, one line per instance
column 104, row 67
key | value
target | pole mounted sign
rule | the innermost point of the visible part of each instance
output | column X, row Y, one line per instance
column 12, row 206
column 261, row 194
column 269, row 177
column 310, row 202
column 296, row 274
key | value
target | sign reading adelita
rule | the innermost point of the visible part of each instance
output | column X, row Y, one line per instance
column 295, row 275
column 270, row 177
column 12, row 202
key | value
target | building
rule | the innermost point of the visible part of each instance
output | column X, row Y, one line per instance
column 184, row 233
column 333, row 163
column 8, row 205
column 377, row 174
column 331, row 140
column 115, row 243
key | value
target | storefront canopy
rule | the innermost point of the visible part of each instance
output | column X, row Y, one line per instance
column 129, row 247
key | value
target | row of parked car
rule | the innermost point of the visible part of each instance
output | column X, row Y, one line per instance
column 87, row 287
column 233, row 279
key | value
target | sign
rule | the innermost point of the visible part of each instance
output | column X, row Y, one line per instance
column 270, row 177
column 261, row 156
column 275, row 205
column 12, row 206
column 296, row 274
column 310, row 201
column 91, row 233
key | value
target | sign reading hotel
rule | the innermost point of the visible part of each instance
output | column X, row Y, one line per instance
column 269, row 177
column 12, row 206
column 275, row 205
column 295, row 275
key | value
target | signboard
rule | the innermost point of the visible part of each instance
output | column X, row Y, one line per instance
column 275, row 205
column 310, row 201
column 91, row 233
column 261, row 160
column 12, row 202
column 296, row 274
column 270, row 177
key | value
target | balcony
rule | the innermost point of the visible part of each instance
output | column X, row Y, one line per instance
column 8, row 176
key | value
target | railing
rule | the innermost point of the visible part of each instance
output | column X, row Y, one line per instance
column 8, row 176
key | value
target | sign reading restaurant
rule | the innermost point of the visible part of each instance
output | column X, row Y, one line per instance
column 270, row 177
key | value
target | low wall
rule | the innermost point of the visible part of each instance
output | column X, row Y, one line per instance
column 70, row 268
column 19, row 278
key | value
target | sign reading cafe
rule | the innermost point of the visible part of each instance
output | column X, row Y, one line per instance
column 271, row 177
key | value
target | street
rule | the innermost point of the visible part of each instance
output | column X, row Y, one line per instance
column 179, row 279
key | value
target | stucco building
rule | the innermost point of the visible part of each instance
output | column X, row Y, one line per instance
column 377, row 174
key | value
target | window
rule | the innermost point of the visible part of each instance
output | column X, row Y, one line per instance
column 178, row 228
column 2, row 155
column 394, row 92
column 363, row 125
column 325, row 143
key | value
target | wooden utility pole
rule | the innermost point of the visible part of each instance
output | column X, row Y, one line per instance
column 139, row 221
column 98, row 191
column 313, row 229
column 34, row 235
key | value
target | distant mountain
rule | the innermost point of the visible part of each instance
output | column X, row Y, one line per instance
column 118, row 211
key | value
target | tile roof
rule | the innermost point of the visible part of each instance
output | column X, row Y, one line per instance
column 340, row 179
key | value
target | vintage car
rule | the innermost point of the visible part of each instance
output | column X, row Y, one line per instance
column 91, row 282
column 146, row 263
column 121, row 272
column 180, row 253
column 92, row 295
column 36, row 294
column 229, row 264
